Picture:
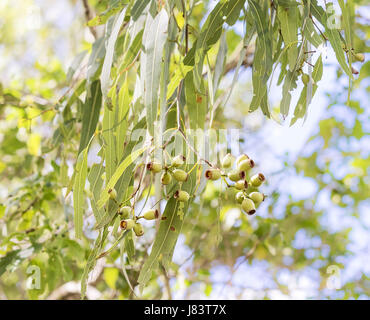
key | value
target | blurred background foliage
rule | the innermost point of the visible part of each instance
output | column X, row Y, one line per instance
column 310, row 238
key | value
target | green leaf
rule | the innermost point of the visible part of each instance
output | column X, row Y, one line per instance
column 96, row 59
column 96, row 184
column 9, row 259
column 220, row 63
column 302, row 104
column 107, row 65
column 196, row 103
column 103, row 18
column 91, row 260
column 154, row 39
column 168, row 233
column 332, row 34
column 262, row 66
column 179, row 75
column 90, row 114
column 233, row 11
column 290, row 83
column 132, row 52
column 210, row 33
column 289, row 24
column 138, row 8
column 78, row 192
column 117, row 174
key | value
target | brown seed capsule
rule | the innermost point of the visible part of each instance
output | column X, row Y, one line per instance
column 257, row 180
column 213, row 174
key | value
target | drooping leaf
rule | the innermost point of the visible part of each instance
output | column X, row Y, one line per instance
column 117, row 174
column 90, row 114
column 108, row 60
column 289, row 24
column 78, row 192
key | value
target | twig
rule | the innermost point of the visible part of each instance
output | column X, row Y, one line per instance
column 89, row 16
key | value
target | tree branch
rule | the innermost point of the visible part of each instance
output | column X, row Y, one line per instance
column 89, row 16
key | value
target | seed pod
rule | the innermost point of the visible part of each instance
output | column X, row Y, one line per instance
column 127, row 224
column 236, row 175
column 257, row 197
column 154, row 167
column 166, row 178
column 213, row 174
column 178, row 161
column 241, row 185
column 239, row 197
column 242, row 157
column 138, row 229
column 360, row 57
column 125, row 212
column 245, row 165
column 257, row 180
column 112, row 194
column 305, row 78
column 182, row 196
column 227, row 161
column 180, row 175
column 248, row 206
column 151, row 214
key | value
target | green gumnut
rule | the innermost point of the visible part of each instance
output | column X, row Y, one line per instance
column 178, row 161
column 181, row 195
column 154, row 167
column 257, row 197
column 180, row 175
column 241, row 185
column 127, row 224
column 248, row 206
column 138, row 229
column 112, row 194
column 257, row 180
column 236, row 175
column 305, row 79
column 213, row 174
column 227, row 161
column 239, row 197
column 125, row 212
column 166, row 178
column 245, row 165
column 151, row 214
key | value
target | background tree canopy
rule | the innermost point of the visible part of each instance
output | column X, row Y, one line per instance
column 93, row 91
